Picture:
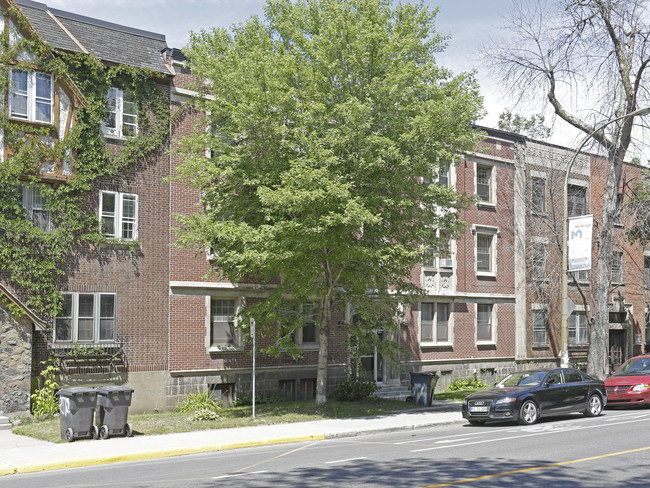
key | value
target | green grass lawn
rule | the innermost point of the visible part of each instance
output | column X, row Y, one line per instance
column 265, row 414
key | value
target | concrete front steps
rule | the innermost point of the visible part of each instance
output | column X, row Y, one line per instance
column 397, row 392
column 5, row 423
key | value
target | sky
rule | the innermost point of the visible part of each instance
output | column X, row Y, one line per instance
column 469, row 23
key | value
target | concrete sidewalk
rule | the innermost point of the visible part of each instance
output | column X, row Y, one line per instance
column 19, row 454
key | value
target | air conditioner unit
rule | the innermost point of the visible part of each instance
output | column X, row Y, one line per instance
column 446, row 263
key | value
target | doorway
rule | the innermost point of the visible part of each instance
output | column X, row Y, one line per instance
column 373, row 365
column 616, row 348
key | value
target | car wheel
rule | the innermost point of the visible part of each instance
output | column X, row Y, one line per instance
column 594, row 406
column 528, row 413
column 476, row 422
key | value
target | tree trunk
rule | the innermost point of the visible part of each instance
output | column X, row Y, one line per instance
column 597, row 364
column 323, row 348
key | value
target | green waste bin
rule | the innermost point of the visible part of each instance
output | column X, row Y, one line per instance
column 113, row 410
column 422, row 386
column 77, row 409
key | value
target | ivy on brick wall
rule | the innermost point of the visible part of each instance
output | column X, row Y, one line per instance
column 33, row 261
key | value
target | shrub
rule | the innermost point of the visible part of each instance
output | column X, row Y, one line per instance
column 204, row 414
column 44, row 400
column 354, row 390
column 470, row 383
column 246, row 401
column 198, row 401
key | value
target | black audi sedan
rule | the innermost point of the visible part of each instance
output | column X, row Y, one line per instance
column 527, row 396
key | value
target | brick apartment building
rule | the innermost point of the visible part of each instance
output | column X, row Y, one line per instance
column 139, row 311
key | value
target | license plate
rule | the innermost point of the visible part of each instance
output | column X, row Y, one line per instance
column 478, row 409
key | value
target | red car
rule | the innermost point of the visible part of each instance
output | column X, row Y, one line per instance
column 630, row 384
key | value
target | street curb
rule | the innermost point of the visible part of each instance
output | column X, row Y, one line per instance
column 163, row 453
column 142, row 456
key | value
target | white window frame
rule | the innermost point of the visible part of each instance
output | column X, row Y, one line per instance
column 579, row 331
column 121, row 114
column 31, row 98
column 537, row 311
column 34, row 202
column 120, row 220
column 581, row 276
column 491, row 184
column 494, row 233
column 298, row 335
column 617, row 267
column 493, row 324
column 538, row 264
column 434, row 323
column 96, row 318
column 538, row 201
column 236, row 344
column 570, row 203
column 434, row 259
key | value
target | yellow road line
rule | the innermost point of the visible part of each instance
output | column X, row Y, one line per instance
column 517, row 471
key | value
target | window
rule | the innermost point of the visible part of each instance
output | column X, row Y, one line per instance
column 30, row 96
column 287, row 390
column 539, row 261
column 35, row 205
column 484, row 183
column 578, row 327
column 223, row 332
column 307, row 389
column 426, row 322
column 86, row 317
column 577, row 200
column 617, row 267
column 119, row 215
column 308, row 334
column 438, row 314
column 484, row 253
column 484, row 322
column 429, row 258
column 442, row 322
column 573, row 376
column 444, row 256
column 121, row 119
column 443, row 176
column 539, row 326
column 646, row 271
column 582, row 275
column 538, row 197
column 647, row 325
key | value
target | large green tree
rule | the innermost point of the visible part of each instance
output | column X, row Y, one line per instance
column 326, row 122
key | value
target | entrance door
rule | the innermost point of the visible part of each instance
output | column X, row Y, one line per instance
column 616, row 348
column 373, row 364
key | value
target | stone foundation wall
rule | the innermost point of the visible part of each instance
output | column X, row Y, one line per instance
column 15, row 362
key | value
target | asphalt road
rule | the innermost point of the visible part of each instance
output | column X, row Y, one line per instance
column 608, row 451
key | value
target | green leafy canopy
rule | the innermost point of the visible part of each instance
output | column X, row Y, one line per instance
column 324, row 119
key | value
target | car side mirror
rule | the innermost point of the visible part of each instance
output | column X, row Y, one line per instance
column 549, row 382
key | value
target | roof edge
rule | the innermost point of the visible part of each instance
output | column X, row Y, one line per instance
column 92, row 21
column 38, row 322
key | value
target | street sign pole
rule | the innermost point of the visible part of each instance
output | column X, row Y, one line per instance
column 253, row 336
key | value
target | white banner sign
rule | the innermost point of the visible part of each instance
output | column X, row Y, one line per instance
column 580, row 242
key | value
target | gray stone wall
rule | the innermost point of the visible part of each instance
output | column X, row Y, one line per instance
column 15, row 362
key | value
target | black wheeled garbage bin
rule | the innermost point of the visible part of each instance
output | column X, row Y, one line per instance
column 422, row 386
column 77, row 409
column 113, row 402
